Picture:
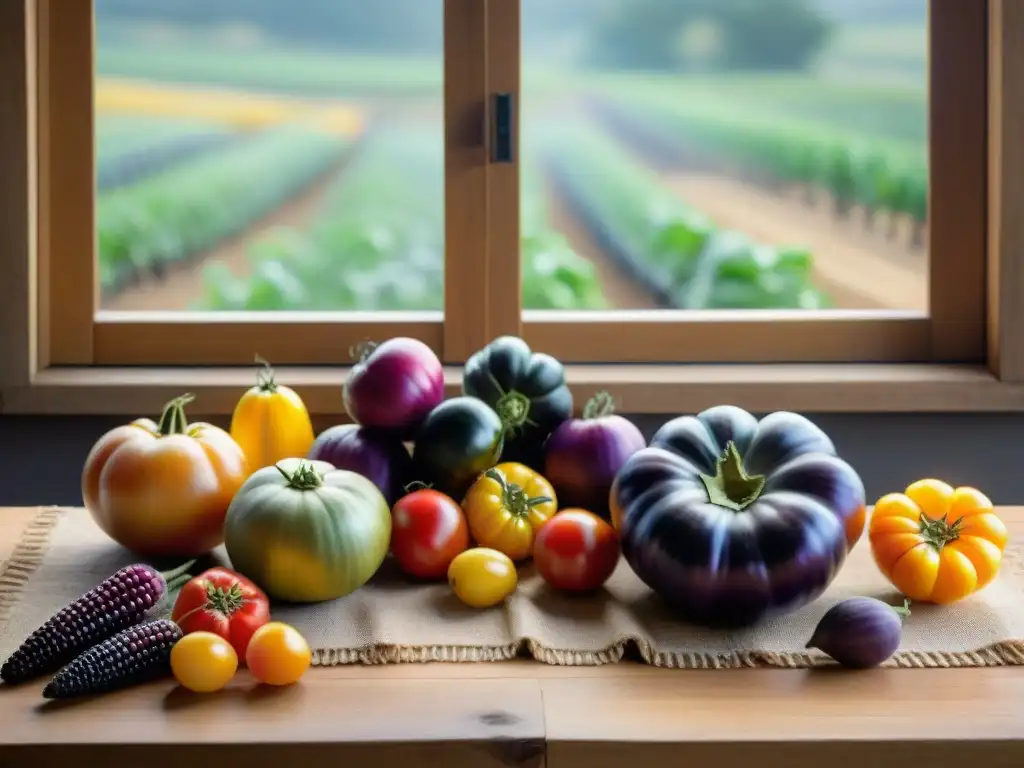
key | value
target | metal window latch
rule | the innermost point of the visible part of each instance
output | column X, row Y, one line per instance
column 502, row 132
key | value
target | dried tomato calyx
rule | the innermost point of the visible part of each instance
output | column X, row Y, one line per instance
column 265, row 376
column 731, row 487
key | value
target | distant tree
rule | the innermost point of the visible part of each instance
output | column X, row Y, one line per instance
column 752, row 34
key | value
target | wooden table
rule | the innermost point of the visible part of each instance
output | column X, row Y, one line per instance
column 528, row 714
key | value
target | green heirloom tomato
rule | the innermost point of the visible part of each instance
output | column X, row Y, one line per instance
column 307, row 532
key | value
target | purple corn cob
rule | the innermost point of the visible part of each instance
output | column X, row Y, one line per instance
column 135, row 655
column 133, row 594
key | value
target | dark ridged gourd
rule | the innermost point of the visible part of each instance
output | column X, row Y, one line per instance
column 133, row 594
column 136, row 655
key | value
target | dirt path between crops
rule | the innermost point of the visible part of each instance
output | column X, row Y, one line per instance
column 621, row 290
column 183, row 284
column 859, row 270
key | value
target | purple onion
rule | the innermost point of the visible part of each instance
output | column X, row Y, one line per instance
column 860, row 632
column 377, row 456
column 583, row 456
column 394, row 385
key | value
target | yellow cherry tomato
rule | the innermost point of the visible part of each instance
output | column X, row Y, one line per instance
column 203, row 662
column 936, row 543
column 482, row 577
column 271, row 422
column 506, row 507
column 278, row 654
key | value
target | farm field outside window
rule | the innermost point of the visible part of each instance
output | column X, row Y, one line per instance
column 683, row 155
column 687, row 181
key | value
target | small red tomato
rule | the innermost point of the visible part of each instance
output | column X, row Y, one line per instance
column 428, row 530
column 576, row 551
column 222, row 602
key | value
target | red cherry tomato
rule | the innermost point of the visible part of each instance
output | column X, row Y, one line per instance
column 576, row 551
column 428, row 530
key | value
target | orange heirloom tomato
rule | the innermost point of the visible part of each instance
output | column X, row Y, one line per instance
column 271, row 422
column 936, row 543
column 164, row 489
column 506, row 507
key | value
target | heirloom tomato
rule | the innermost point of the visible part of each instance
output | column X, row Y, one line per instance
column 732, row 519
column 506, row 507
column 163, row 489
column 203, row 662
column 271, row 422
column 278, row 654
column 482, row 577
column 576, row 551
column 936, row 543
column 428, row 530
column 224, row 603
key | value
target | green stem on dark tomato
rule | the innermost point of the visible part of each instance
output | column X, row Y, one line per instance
column 731, row 487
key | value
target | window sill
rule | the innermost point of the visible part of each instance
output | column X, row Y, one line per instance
column 637, row 389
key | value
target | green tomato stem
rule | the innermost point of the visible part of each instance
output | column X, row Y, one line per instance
column 939, row 533
column 514, row 496
column 731, row 487
column 304, row 478
column 600, row 405
column 172, row 420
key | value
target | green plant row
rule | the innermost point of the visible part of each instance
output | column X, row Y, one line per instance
column 197, row 203
column 378, row 244
column 676, row 250
column 881, row 174
column 118, row 136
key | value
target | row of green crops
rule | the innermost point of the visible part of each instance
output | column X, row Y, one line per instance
column 120, row 135
column 675, row 250
column 889, row 111
column 855, row 169
column 378, row 244
column 193, row 205
column 554, row 275
column 129, row 149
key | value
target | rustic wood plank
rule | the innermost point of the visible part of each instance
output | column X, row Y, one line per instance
column 637, row 388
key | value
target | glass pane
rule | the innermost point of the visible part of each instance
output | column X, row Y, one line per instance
column 270, row 155
column 725, row 154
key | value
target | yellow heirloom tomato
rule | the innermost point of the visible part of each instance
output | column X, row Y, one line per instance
column 936, row 543
column 506, row 507
column 271, row 422
column 482, row 577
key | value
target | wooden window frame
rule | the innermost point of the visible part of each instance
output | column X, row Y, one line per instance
column 58, row 355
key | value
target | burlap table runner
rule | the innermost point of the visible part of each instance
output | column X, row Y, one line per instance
column 62, row 554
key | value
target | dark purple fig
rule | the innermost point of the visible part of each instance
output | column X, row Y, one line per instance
column 860, row 632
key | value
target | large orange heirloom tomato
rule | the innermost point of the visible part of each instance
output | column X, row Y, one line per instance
column 271, row 422
column 936, row 543
column 163, row 489
column 506, row 507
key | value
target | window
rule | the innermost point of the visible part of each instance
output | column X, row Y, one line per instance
column 774, row 185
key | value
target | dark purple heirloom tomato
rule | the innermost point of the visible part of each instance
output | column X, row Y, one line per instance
column 731, row 520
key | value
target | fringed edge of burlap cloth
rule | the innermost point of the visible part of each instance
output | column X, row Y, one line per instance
column 35, row 541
